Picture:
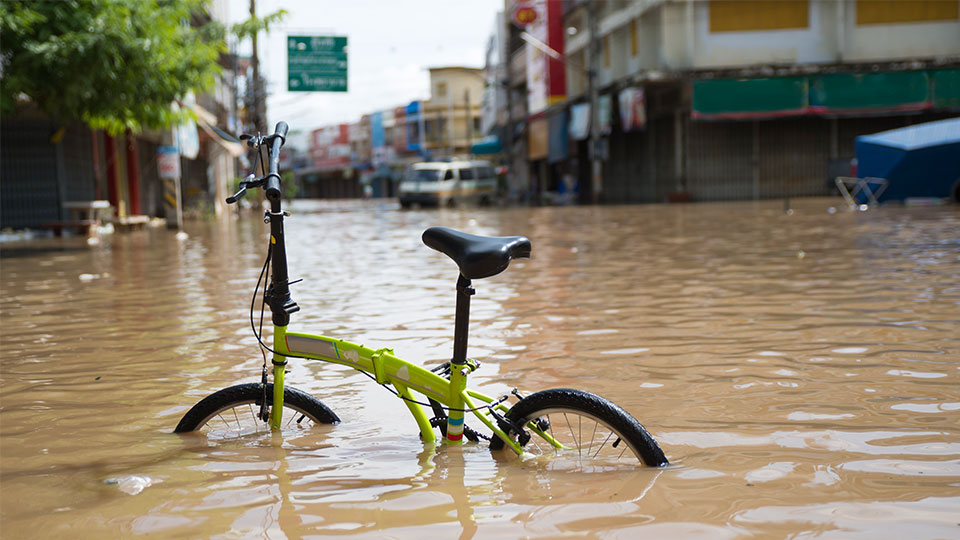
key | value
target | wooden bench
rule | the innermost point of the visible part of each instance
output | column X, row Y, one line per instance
column 85, row 216
column 130, row 222
column 83, row 226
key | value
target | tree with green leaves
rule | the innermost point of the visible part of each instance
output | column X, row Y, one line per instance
column 113, row 64
column 251, row 28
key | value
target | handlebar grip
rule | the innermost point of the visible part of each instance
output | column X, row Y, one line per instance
column 272, row 187
column 281, row 130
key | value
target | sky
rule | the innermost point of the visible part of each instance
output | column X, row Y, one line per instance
column 391, row 43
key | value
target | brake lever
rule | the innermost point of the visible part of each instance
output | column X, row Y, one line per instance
column 249, row 181
column 238, row 195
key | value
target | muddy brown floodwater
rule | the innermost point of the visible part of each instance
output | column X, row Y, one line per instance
column 800, row 371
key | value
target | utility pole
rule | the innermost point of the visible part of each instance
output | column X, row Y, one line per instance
column 259, row 113
column 453, row 146
column 593, row 63
column 466, row 99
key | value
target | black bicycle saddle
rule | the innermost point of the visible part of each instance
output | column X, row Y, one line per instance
column 477, row 256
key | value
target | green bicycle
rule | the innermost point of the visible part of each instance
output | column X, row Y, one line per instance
column 564, row 422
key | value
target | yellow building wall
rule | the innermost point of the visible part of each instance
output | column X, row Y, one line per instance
column 752, row 15
column 899, row 11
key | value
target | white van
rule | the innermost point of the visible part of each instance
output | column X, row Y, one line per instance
column 448, row 183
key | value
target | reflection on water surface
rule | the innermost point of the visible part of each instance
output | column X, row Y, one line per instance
column 799, row 370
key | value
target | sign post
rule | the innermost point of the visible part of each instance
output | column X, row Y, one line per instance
column 168, row 169
column 317, row 63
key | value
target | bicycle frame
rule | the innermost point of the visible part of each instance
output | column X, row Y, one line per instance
column 387, row 368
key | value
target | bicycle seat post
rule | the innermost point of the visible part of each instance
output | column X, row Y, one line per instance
column 458, row 365
column 462, row 321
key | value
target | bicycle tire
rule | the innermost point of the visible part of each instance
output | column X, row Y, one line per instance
column 560, row 405
column 298, row 406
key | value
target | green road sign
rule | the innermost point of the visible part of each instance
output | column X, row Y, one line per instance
column 317, row 63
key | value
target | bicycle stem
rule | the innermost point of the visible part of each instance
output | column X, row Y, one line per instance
column 278, row 292
column 281, row 305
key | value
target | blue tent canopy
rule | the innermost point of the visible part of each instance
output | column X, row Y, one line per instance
column 917, row 161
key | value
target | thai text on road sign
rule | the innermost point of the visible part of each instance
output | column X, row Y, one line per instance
column 317, row 63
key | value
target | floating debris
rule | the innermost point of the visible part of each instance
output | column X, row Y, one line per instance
column 131, row 485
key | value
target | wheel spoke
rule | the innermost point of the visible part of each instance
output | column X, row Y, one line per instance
column 256, row 425
column 556, row 451
column 570, row 427
column 239, row 425
column 592, row 437
column 580, row 435
column 604, row 443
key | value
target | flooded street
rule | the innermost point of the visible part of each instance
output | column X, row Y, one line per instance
column 799, row 370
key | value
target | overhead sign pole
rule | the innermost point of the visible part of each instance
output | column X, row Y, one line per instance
column 317, row 63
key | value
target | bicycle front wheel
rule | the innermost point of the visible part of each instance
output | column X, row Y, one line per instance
column 590, row 430
column 233, row 412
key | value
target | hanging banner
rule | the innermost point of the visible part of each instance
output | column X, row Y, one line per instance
column 580, row 121
column 538, row 135
column 557, row 144
column 546, row 76
column 633, row 113
column 604, row 113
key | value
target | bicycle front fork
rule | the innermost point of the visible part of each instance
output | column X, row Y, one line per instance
column 276, row 412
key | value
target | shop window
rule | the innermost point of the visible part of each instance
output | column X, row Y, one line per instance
column 894, row 12
column 753, row 15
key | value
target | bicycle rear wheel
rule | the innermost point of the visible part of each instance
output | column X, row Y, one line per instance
column 593, row 431
column 232, row 412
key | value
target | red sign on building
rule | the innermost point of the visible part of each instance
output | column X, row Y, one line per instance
column 330, row 147
column 524, row 13
column 400, row 129
column 546, row 75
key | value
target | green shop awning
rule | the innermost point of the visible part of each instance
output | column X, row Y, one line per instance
column 870, row 92
column 946, row 88
column 489, row 145
column 729, row 99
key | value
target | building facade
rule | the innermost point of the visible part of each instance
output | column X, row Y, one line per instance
column 383, row 143
column 711, row 100
column 451, row 118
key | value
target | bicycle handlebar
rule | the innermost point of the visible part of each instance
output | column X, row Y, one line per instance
column 273, row 175
column 270, row 182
